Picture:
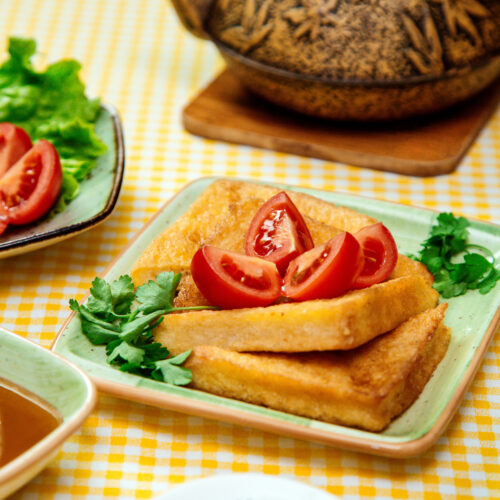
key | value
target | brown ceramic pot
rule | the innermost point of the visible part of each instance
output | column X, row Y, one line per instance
column 355, row 59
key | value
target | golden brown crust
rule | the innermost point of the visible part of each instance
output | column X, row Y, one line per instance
column 406, row 266
column 366, row 387
column 189, row 295
column 317, row 325
column 220, row 216
column 363, row 386
column 322, row 211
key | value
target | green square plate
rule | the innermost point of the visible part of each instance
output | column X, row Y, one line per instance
column 30, row 369
column 95, row 202
column 472, row 317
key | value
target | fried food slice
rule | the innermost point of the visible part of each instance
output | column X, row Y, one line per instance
column 317, row 325
column 230, row 232
column 189, row 295
column 406, row 267
column 366, row 387
column 221, row 215
column 322, row 211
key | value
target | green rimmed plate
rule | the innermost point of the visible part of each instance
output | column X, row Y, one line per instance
column 51, row 378
column 473, row 319
column 95, row 202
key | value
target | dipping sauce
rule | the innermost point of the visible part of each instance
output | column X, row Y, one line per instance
column 25, row 419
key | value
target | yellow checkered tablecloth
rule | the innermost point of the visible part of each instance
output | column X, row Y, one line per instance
column 136, row 56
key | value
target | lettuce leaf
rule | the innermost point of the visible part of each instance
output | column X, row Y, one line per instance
column 52, row 105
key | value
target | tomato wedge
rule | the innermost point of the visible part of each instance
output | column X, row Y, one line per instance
column 381, row 255
column 278, row 232
column 231, row 280
column 326, row 271
column 14, row 143
column 31, row 186
column 3, row 219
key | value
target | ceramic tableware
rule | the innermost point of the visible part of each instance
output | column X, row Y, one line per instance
column 54, row 380
column 363, row 60
column 472, row 317
column 245, row 487
column 95, row 202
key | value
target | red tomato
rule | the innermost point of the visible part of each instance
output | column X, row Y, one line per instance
column 381, row 255
column 31, row 186
column 3, row 219
column 278, row 232
column 326, row 271
column 231, row 280
column 14, row 143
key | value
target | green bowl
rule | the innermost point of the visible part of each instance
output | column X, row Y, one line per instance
column 54, row 380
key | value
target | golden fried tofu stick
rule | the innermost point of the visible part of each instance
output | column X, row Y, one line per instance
column 365, row 387
column 315, row 325
column 221, row 215
column 189, row 295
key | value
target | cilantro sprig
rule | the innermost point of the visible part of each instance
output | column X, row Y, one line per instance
column 123, row 320
column 457, row 266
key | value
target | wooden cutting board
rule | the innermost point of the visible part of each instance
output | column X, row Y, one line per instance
column 427, row 146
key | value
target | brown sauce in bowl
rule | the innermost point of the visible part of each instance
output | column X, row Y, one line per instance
column 25, row 419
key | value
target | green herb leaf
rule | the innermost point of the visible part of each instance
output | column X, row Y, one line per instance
column 98, row 332
column 489, row 282
column 100, row 301
column 447, row 240
column 128, row 353
column 449, row 288
column 139, row 326
column 180, row 358
column 158, row 294
column 122, row 293
column 108, row 319
column 154, row 352
column 172, row 373
column 111, row 301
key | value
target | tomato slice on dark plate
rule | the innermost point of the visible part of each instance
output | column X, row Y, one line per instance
column 3, row 219
column 31, row 186
column 14, row 143
column 326, row 271
column 231, row 280
column 278, row 232
column 381, row 255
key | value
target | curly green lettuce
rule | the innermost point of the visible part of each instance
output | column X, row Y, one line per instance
column 52, row 105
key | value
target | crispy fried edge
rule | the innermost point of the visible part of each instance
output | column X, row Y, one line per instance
column 173, row 249
column 318, row 325
column 248, row 377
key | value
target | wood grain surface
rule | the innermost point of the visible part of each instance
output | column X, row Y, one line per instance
column 431, row 145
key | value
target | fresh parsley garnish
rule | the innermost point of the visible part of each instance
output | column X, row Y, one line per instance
column 122, row 318
column 455, row 264
column 52, row 105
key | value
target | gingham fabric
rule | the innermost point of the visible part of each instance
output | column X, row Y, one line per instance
column 136, row 56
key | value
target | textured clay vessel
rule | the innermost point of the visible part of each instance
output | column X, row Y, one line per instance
column 354, row 59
